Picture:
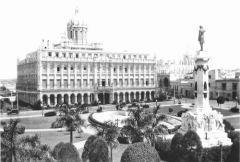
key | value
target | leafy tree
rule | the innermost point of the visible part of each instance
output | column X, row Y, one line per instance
column 30, row 148
column 88, row 146
column 140, row 152
column 9, row 136
column 220, row 100
column 99, row 152
column 192, row 146
column 176, row 145
column 66, row 152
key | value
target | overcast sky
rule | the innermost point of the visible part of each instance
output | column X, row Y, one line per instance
column 165, row 28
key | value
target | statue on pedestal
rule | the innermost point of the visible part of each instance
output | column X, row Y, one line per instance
column 201, row 37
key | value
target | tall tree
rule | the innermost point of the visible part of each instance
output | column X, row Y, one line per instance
column 9, row 136
column 71, row 120
column 110, row 136
column 30, row 148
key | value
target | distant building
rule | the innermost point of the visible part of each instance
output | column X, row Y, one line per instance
column 224, row 83
column 177, row 69
column 74, row 71
column 162, row 83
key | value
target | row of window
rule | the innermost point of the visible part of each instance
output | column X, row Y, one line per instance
column 77, row 55
column 234, row 86
column 84, row 83
column 65, row 68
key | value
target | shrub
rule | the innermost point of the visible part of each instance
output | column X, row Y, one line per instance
column 123, row 140
column 140, row 152
column 163, row 148
column 94, row 103
column 191, row 146
column 57, row 124
column 50, row 113
column 99, row 152
column 212, row 154
column 234, row 136
column 99, row 109
column 170, row 110
column 37, row 105
column 220, row 100
column 88, row 146
column 235, row 109
column 114, row 102
column 228, row 126
column 66, row 152
column 179, row 114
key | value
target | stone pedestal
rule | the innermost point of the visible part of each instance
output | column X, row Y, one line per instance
column 208, row 125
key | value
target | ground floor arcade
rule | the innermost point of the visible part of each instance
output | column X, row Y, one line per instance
column 102, row 98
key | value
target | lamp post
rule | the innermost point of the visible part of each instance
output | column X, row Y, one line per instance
column 220, row 145
column 156, row 102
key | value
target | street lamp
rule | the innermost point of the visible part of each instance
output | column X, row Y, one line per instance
column 156, row 102
column 220, row 145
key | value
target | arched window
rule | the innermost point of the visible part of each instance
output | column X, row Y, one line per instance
column 195, row 86
column 205, row 86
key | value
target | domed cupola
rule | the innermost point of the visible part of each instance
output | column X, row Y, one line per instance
column 76, row 31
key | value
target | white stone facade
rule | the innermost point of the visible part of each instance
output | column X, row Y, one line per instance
column 74, row 71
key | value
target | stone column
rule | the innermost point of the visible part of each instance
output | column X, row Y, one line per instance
column 55, row 100
column 88, row 97
column 117, row 97
column 124, row 97
column 82, row 98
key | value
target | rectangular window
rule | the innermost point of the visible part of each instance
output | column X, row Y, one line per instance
column 223, row 86
column 147, row 82
column 64, row 54
column 234, row 86
column 57, row 54
column 126, row 82
column 115, row 82
column 121, row 82
column 91, row 82
column 51, row 83
column 142, row 82
column 65, row 84
column 49, row 54
column 152, row 82
column 59, row 83
column 137, row 82
column 77, row 55
column 72, row 83
column 70, row 55
column 44, row 84
column 131, row 82
column 79, row 83
column 85, row 82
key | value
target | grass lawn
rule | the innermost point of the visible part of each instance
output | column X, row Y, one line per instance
column 37, row 122
column 117, row 153
column 235, row 122
column 225, row 112
column 52, row 138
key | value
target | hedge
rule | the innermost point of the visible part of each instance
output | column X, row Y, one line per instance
column 163, row 148
column 99, row 151
column 234, row 109
column 88, row 146
column 140, row 152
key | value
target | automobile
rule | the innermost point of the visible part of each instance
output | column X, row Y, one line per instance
column 12, row 111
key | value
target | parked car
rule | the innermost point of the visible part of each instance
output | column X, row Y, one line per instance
column 12, row 111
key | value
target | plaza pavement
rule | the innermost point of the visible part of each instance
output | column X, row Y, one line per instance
column 186, row 103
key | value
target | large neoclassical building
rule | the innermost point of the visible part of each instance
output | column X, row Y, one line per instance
column 74, row 71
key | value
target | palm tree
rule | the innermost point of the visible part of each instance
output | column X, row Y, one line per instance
column 110, row 136
column 9, row 139
column 71, row 120
column 30, row 148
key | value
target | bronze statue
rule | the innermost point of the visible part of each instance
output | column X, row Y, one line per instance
column 201, row 37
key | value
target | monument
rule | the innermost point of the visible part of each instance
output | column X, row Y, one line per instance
column 206, row 122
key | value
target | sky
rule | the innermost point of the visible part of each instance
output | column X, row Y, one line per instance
column 165, row 28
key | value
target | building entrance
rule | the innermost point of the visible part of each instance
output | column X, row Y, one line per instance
column 104, row 98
